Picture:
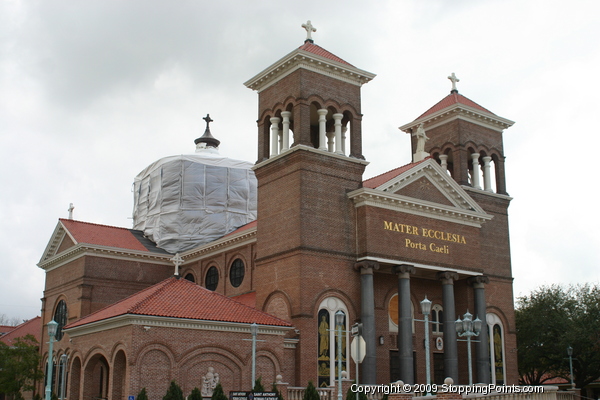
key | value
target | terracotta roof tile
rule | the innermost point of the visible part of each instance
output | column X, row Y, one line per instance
column 451, row 99
column 31, row 327
column 318, row 50
column 379, row 180
column 242, row 228
column 180, row 298
column 248, row 299
column 110, row 236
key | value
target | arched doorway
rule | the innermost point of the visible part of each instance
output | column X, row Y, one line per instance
column 95, row 378
column 119, row 373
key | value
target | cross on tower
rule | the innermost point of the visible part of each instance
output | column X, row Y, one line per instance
column 70, row 210
column 454, row 79
column 177, row 260
column 208, row 120
column 309, row 29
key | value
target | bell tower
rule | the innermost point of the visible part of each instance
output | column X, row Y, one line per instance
column 465, row 138
column 309, row 158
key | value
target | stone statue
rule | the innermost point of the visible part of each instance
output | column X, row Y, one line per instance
column 209, row 382
column 421, row 139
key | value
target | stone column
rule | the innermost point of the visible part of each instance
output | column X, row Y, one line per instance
column 322, row 129
column 476, row 172
column 367, row 317
column 450, row 344
column 285, row 145
column 487, row 182
column 481, row 345
column 405, row 339
column 275, row 136
column 337, row 118
column 444, row 162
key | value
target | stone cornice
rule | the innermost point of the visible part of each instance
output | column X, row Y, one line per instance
column 302, row 147
column 492, row 194
column 84, row 249
column 461, row 111
column 396, row 202
column 435, row 268
column 303, row 59
column 167, row 322
column 225, row 243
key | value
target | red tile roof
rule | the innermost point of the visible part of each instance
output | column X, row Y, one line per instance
column 379, row 180
column 242, row 228
column 451, row 99
column 5, row 328
column 31, row 327
column 318, row 50
column 103, row 235
column 180, row 298
column 248, row 299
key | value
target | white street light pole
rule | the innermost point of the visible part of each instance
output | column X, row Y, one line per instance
column 52, row 328
column 254, row 331
column 469, row 328
column 426, row 310
column 570, row 353
column 339, row 320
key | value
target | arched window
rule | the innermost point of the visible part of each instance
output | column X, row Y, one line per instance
column 393, row 314
column 212, row 278
column 236, row 272
column 60, row 317
column 437, row 319
column 190, row 277
column 496, row 342
column 328, row 342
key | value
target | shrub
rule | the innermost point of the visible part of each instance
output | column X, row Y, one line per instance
column 311, row 392
column 174, row 392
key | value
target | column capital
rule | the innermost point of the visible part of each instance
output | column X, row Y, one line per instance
column 403, row 270
column 366, row 267
column 447, row 277
column 478, row 281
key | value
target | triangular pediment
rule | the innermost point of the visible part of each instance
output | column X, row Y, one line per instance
column 424, row 189
column 60, row 241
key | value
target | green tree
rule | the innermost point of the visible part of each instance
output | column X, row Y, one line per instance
column 551, row 319
column 310, row 393
column 258, row 386
column 142, row 395
column 218, row 393
column 275, row 389
column 19, row 366
column 174, row 392
column 195, row 395
column 350, row 395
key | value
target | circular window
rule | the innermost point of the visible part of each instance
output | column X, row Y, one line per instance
column 60, row 317
column 190, row 277
column 236, row 273
column 212, row 278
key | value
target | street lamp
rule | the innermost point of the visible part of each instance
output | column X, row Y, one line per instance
column 254, row 331
column 469, row 328
column 570, row 353
column 339, row 321
column 52, row 328
column 426, row 310
column 63, row 375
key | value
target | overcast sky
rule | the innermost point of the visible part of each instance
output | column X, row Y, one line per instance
column 91, row 92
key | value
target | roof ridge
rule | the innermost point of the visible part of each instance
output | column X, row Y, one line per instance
column 394, row 169
column 157, row 291
column 92, row 223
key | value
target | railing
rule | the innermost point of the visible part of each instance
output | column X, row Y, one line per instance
column 297, row 393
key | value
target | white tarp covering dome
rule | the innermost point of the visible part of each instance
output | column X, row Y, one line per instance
column 181, row 202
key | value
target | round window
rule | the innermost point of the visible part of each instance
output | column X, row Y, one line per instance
column 236, row 273
column 212, row 278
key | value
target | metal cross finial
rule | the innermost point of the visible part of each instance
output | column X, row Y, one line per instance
column 309, row 29
column 70, row 210
column 177, row 260
column 454, row 79
column 208, row 120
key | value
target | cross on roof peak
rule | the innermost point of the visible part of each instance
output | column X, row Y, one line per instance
column 454, row 79
column 177, row 261
column 309, row 29
column 208, row 120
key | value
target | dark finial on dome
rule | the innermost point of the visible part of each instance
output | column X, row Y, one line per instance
column 207, row 137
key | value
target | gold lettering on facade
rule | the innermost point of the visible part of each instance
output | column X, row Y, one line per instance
column 426, row 233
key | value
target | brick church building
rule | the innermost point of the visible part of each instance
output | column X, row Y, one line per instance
column 286, row 243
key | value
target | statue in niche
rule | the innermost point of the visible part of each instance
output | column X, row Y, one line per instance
column 421, row 139
column 209, row 382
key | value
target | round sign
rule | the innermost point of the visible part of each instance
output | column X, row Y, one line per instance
column 439, row 343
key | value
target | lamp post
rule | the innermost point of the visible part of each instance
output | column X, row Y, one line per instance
column 570, row 353
column 254, row 331
column 426, row 310
column 469, row 328
column 52, row 328
column 339, row 320
column 63, row 375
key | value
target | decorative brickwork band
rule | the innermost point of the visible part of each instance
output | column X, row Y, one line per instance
column 405, row 339
column 450, row 345
column 481, row 346
column 367, row 310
